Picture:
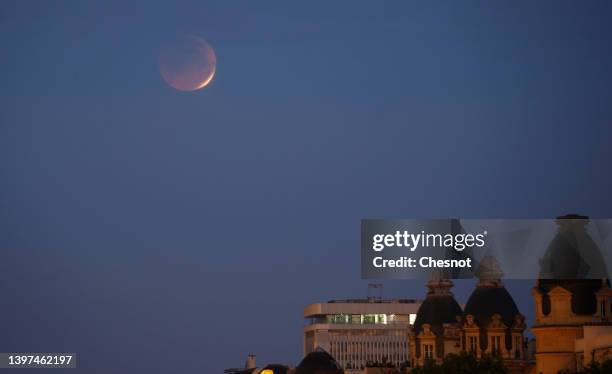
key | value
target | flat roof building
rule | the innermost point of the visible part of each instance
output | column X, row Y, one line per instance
column 360, row 331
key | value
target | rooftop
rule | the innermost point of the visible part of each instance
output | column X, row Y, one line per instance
column 374, row 301
column 363, row 307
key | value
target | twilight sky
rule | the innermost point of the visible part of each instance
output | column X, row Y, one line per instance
column 156, row 231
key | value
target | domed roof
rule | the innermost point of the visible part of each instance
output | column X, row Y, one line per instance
column 487, row 301
column 436, row 311
column 570, row 255
column 439, row 307
column 490, row 296
column 318, row 361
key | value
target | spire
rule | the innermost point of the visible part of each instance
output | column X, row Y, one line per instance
column 489, row 273
column 438, row 285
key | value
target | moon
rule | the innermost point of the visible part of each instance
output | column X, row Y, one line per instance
column 187, row 63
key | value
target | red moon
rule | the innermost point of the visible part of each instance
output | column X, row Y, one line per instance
column 187, row 63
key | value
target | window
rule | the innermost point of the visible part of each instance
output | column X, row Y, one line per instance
column 473, row 344
column 602, row 308
column 369, row 318
column 382, row 318
column 518, row 342
column 339, row 318
column 495, row 344
column 428, row 350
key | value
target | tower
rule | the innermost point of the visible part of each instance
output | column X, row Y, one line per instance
column 564, row 301
column 436, row 327
column 492, row 323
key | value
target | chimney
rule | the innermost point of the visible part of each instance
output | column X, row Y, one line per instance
column 250, row 362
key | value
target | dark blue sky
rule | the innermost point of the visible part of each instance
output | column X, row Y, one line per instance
column 157, row 231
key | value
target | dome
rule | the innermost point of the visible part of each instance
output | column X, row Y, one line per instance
column 437, row 311
column 438, row 308
column 318, row 361
column 487, row 301
column 490, row 296
column 572, row 255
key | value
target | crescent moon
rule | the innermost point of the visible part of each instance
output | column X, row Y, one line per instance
column 187, row 63
column 206, row 82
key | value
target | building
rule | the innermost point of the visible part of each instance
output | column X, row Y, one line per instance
column 594, row 345
column 490, row 324
column 573, row 323
column 436, row 329
column 360, row 331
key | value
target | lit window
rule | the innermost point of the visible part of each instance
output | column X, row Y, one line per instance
column 369, row 318
column 339, row 318
column 412, row 318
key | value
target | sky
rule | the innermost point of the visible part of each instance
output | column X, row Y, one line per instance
column 152, row 230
